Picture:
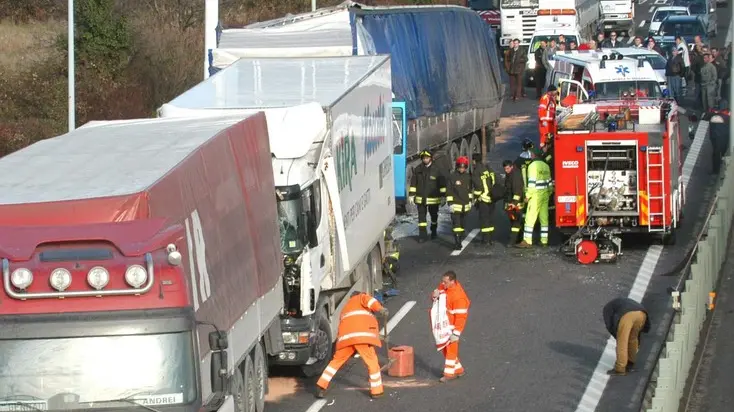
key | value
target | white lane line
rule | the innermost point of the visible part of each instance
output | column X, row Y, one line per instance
column 599, row 379
column 642, row 23
column 316, row 406
column 397, row 317
column 682, row 110
column 729, row 34
column 466, row 242
column 652, row 8
column 661, row 2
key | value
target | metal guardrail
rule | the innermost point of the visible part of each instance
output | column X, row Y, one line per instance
column 691, row 301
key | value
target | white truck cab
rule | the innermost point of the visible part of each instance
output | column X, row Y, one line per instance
column 591, row 75
column 617, row 15
column 570, row 35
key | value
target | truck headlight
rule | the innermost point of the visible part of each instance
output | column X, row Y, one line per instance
column 60, row 279
column 293, row 338
column 98, row 277
column 136, row 275
column 21, row 278
column 717, row 119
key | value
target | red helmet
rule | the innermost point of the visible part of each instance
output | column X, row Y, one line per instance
column 462, row 161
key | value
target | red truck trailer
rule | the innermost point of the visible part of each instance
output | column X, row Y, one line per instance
column 618, row 169
column 141, row 267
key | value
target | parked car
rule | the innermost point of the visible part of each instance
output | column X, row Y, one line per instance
column 688, row 27
column 662, row 12
column 703, row 8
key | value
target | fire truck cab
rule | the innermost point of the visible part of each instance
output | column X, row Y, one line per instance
column 617, row 155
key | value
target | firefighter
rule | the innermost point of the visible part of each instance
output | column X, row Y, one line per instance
column 459, row 196
column 514, row 194
column 537, row 195
column 719, row 121
column 457, row 309
column 427, row 186
column 547, row 114
column 358, row 332
column 547, row 156
column 483, row 182
column 625, row 319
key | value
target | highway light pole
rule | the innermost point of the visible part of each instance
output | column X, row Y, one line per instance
column 70, row 52
column 313, row 5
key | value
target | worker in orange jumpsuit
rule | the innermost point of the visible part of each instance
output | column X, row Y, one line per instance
column 457, row 309
column 358, row 332
column 547, row 115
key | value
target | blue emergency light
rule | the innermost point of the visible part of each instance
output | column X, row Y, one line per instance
column 643, row 148
column 579, row 149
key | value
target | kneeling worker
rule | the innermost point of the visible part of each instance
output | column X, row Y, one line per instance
column 358, row 332
column 625, row 319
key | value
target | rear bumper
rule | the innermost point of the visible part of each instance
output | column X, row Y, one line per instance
column 636, row 230
column 616, row 24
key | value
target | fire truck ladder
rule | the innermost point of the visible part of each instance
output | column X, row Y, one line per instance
column 655, row 167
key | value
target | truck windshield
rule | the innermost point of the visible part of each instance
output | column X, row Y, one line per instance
column 289, row 217
column 689, row 28
column 648, row 89
column 74, row 373
column 484, row 4
column 519, row 4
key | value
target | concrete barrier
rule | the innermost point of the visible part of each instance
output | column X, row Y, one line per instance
column 692, row 301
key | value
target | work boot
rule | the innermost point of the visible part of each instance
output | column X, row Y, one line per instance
column 630, row 367
column 457, row 241
column 422, row 234
column 320, row 392
column 523, row 245
column 614, row 372
column 434, row 232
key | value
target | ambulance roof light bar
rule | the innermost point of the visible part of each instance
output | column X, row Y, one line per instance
column 556, row 12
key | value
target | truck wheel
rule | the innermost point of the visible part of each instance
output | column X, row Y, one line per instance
column 374, row 266
column 242, row 387
column 323, row 347
column 464, row 149
column 261, row 376
column 475, row 144
column 453, row 155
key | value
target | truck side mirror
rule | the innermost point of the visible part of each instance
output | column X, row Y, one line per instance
column 219, row 371
column 218, row 341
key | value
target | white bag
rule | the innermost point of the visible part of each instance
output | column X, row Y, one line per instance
column 440, row 322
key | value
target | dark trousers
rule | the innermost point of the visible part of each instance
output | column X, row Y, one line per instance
column 457, row 221
column 486, row 210
column 516, row 85
column 423, row 210
column 719, row 135
column 540, row 81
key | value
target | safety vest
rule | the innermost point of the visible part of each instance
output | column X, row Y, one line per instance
column 427, row 185
column 457, row 306
column 546, row 109
column 484, row 180
column 539, row 178
column 357, row 324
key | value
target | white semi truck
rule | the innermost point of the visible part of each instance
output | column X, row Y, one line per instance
column 617, row 15
column 329, row 123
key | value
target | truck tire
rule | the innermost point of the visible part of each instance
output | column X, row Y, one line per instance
column 324, row 346
column 453, row 155
column 243, row 392
column 261, row 376
column 374, row 266
column 464, row 149
column 475, row 144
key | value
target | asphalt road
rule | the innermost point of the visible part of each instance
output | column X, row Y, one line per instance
column 535, row 336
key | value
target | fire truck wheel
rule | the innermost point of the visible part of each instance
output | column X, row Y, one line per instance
column 261, row 376
column 587, row 252
column 323, row 346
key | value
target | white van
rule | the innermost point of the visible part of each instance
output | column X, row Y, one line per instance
column 657, row 61
column 547, row 35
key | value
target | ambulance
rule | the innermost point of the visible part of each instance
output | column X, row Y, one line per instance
column 584, row 75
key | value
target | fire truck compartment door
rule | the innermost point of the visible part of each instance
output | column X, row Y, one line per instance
column 568, row 87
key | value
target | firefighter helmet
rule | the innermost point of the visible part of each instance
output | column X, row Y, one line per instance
column 527, row 144
column 462, row 161
column 426, row 153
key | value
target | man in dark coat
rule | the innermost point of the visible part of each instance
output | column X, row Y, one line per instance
column 625, row 319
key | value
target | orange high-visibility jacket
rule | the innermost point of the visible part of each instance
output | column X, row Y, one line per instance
column 547, row 109
column 457, row 306
column 357, row 324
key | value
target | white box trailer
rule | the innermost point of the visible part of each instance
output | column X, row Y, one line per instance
column 329, row 122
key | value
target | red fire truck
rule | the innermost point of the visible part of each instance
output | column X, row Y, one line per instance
column 618, row 169
column 141, row 267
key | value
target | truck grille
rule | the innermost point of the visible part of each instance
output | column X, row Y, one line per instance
column 528, row 27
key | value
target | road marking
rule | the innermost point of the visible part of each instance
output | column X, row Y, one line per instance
column 682, row 110
column 661, row 2
column 316, row 406
column 466, row 242
column 729, row 34
column 652, row 8
column 642, row 23
column 397, row 317
column 641, row 2
column 599, row 378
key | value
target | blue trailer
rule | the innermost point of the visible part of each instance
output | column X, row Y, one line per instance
column 446, row 71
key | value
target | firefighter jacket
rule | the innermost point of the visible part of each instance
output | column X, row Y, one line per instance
column 427, row 185
column 358, row 325
column 546, row 109
column 615, row 309
column 459, row 191
column 539, row 178
column 457, row 306
column 514, row 187
column 483, row 180
column 521, row 164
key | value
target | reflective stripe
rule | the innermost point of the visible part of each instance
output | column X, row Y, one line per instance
column 448, row 363
column 357, row 335
column 371, row 302
column 411, row 190
column 442, row 190
column 449, row 198
column 459, row 311
column 330, row 369
column 516, row 197
column 448, row 371
column 376, row 384
column 356, row 312
column 375, row 375
column 423, row 224
column 326, row 377
column 457, row 332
